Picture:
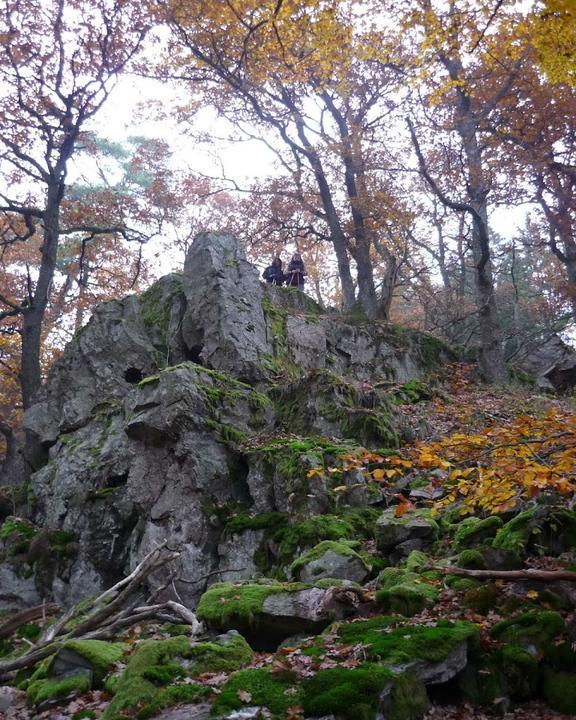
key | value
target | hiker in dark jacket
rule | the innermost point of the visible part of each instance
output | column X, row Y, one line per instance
column 296, row 272
column 273, row 273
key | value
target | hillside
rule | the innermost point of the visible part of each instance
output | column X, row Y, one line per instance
column 301, row 515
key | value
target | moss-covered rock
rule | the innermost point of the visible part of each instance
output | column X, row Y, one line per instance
column 258, row 688
column 79, row 665
column 224, row 604
column 473, row 531
column 481, row 599
column 520, row 670
column 417, row 525
column 537, row 627
column 292, row 539
column 540, row 530
column 407, row 699
column 40, row 691
column 331, row 559
column 482, row 682
column 224, row 654
column 405, row 592
column 559, row 690
column 267, row 613
column 154, row 664
column 472, row 560
column 349, row 694
column 404, row 645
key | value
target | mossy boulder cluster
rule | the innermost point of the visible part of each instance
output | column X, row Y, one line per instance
column 247, row 427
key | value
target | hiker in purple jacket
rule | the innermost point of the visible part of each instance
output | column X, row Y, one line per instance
column 296, row 272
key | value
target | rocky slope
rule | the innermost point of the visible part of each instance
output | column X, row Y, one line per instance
column 155, row 423
column 260, row 438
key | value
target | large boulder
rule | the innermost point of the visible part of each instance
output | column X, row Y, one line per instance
column 268, row 613
column 552, row 362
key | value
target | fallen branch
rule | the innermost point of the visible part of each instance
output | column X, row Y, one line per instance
column 530, row 574
column 38, row 612
column 117, row 608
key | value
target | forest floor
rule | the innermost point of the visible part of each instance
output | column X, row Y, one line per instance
column 461, row 409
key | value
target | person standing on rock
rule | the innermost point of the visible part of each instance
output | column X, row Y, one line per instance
column 296, row 272
column 273, row 273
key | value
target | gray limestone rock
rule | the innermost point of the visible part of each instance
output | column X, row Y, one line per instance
column 330, row 564
column 16, row 592
column 145, row 421
column 392, row 531
column 223, row 326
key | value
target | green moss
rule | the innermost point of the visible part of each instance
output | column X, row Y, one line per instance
column 537, row 627
column 350, row 694
column 163, row 674
column 404, row 592
column 516, row 533
column 396, row 646
column 540, row 530
column 408, row 699
column 226, row 602
column 432, row 350
column 233, row 654
column 460, row 584
column 6, row 647
column 417, row 560
column 520, row 670
column 155, row 307
column 17, row 528
column 60, row 540
column 173, row 695
column 473, row 531
column 227, row 433
column 413, row 391
column 30, row 631
column 149, row 380
column 100, row 654
column 137, row 685
column 482, row 682
column 559, row 690
column 349, row 525
column 265, row 689
column 280, row 362
column 481, row 599
column 52, row 688
column 339, row 548
column 471, row 560
column 263, row 521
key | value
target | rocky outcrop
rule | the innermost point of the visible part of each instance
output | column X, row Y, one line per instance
column 551, row 362
column 155, row 423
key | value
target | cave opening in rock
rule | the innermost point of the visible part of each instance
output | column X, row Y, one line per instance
column 133, row 375
column 193, row 354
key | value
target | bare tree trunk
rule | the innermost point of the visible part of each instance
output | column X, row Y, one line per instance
column 30, row 371
column 12, row 467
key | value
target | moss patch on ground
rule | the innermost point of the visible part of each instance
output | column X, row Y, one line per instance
column 349, row 694
column 275, row 691
column 53, row 688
